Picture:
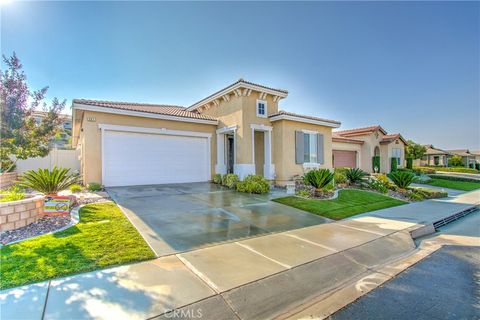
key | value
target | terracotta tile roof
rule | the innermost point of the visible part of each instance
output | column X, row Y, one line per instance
column 392, row 137
column 337, row 138
column 461, row 152
column 164, row 109
column 360, row 131
column 281, row 112
column 239, row 81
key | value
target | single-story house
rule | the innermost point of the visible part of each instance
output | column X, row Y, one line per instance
column 238, row 129
column 468, row 158
column 434, row 157
column 356, row 148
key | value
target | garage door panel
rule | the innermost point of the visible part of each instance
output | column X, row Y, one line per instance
column 344, row 158
column 139, row 158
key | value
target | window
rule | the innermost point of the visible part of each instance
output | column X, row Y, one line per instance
column 310, row 148
column 397, row 153
column 261, row 108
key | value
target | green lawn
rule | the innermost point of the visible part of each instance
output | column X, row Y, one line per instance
column 103, row 237
column 459, row 185
column 348, row 203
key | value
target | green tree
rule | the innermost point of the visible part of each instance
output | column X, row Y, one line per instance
column 414, row 150
column 21, row 136
column 455, row 161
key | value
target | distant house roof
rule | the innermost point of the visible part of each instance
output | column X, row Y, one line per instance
column 435, row 151
column 475, row 152
column 236, row 88
column 284, row 115
column 461, row 152
column 360, row 131
column 169, row 110
column 42, row 114
column 392, row 137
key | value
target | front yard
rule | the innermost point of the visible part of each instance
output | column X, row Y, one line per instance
column 452, row 184
column 103, row 237
column 348, row 203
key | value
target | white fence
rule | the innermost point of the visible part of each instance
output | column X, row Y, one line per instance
column 56, row 157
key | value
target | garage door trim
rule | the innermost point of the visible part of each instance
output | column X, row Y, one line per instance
column 160, row 131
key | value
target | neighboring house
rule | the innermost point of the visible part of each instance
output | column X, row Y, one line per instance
column 238, row 129
column 62, row 139
column 434, row 157
column 356, row 148
column 468, row 158
column 476, row 153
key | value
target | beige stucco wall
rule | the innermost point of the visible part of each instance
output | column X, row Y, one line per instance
column 284, row 148
column 91, row 138
column 346, row 146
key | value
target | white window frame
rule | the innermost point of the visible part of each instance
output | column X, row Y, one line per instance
column 399, row 158
column 265, row 108
column 310, row 163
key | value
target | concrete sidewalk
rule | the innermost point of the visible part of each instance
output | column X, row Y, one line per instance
column 247, row 279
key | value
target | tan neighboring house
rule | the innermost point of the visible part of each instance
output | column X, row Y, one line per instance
column 238, row 129
column 468, row 158
column 433, row 157
column 355, row 148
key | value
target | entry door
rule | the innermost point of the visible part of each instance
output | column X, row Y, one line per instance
column 140, row 158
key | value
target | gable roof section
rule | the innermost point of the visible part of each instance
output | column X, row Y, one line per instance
column 461, row 152
column 175, row 112
column 432, row 151
column 284, row 115
column 337, row 138
column 234, row 88
column 388, row 138
column 360, row 131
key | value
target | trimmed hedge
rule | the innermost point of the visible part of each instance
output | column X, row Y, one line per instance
column 230, row 180
column 446, row 169
column 409, row 163
column 451, row 178
column 376, row 163
column 393, row 164
column 253, row 184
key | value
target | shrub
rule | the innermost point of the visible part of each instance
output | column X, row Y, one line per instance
column 94, row 186
column 415, row 196
column 303, row 193
column 453, row 178
column 376, row 164
column 217, row 178
column 76, row 188
column 423, row 170
column 355, row 175
column 393, row 164
column 426, row 193
column 377, row 185
column 402, row 179
column 12, row 194
column 48, row 182
column 409, row 163
column 339, row 175
column 422, row 179
column 455, row 161
column 253, row 184
column 431, row 169
column 477, row 166
column 318, row 178
column 230, row 180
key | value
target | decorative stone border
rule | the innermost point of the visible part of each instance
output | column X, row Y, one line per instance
column 17, row 214
column 7, row 179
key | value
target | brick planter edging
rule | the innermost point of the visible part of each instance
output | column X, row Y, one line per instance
column 17, row 214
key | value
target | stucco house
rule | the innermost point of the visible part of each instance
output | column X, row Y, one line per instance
column 238, row 129
column 434, row 157
column 468, row 158
column 356, row 148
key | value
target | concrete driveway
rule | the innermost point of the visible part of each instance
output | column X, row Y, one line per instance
column 180, row 217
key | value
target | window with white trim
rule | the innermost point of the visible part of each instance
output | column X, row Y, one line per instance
column 397, row 153
column 310, row 148
column 261, row 108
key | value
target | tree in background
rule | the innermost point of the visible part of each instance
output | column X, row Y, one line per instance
column 21, row 137
column 414, row 150
column 455, row 161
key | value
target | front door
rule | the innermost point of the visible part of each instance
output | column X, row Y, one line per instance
column 230, row 154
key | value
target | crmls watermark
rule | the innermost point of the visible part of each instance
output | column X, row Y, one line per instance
column 189, row 314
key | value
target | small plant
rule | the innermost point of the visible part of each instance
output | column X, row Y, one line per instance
column 230, row 180
column 75, row 188
column 14, row 193
column 48, row 182
column 393, row 164
column 94, row 186
column 377, row 185
column 402, row 179
column 303, row 194
column 217, row 178
column 318, row 178
column 253, row 184
column 339, row 175
column 355, row 175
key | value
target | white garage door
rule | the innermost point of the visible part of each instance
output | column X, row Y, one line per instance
column 141, row 158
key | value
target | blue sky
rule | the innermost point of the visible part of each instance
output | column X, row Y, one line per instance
column 412, row 67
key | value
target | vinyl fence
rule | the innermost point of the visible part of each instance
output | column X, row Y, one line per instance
column 56, row 157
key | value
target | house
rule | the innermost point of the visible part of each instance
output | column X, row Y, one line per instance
column 238, row 129
column 367, row 148
column 434, row 157
column 476, row 153
column 468, row 158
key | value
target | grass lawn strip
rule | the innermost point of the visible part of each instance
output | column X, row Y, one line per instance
column 348, row 203
column 451, row 184
column 103, row 237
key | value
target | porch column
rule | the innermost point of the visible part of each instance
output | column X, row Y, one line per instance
column 220, row 166
column 268, row 167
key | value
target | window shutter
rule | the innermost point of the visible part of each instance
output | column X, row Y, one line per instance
column 299, row 147
column 320, row 157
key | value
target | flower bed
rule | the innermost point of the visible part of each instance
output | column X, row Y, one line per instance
column 18, row 214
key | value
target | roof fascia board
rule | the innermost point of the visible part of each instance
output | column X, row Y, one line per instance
column 305, row 120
